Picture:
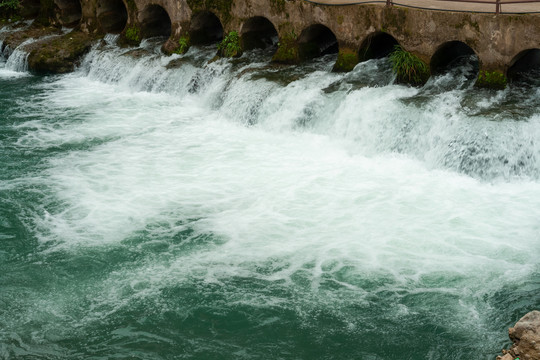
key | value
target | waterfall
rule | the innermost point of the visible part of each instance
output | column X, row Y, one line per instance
column 447, row 124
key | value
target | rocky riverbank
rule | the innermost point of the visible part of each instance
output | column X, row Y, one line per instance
column 525, row 336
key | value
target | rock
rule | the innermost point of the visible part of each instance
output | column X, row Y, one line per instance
column 60, row 54
column 526, row 338
column 14, row 39
column 137, row 53
column 505, row 357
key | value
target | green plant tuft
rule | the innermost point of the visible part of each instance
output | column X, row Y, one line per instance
column 491, row 80
column 230, row 45
column 9, row 4
column 409, row 68
column 183, row 45
column 9, row 10
column 133, row 35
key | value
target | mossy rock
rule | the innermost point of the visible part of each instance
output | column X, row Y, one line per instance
column 346, row 61
column 14, row 39
column 60, row 54
column 130, row 37
column 287, row 51
column 308, row 50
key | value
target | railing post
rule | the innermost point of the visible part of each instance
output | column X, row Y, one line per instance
column 497, row 7
column 389, row 3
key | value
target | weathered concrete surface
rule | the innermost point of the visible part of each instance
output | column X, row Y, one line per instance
column 497, row 40
column 525, row 336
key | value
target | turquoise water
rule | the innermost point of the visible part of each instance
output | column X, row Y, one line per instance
column 236, row 210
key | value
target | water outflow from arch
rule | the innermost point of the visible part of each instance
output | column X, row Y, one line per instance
column 317, row 40
column 377, row 46
column 258, row 33
column 155, row 21
column 454, row 54
column 69, row 12
column 112, row 16
column 155, row 206
column 205, row 28
column 525, row 67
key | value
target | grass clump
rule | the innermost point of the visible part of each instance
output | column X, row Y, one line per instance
column 183, row 45
column 491, row 80
column 133, row 35
column 230, row 45
column 409, row 68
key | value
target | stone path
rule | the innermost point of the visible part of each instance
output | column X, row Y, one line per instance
column 486, row 5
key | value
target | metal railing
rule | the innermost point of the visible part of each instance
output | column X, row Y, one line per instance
column 496, row 3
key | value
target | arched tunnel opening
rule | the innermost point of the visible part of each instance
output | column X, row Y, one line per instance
column 525, row 67
column 452, row 55
column 30, row 8
column 112, row 16
column 377, row 46
column 317, row 40
column 258, row 33
column 69, row 12
column 155, row 21
column 205, row 29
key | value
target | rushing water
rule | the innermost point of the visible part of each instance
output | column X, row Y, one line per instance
column 157, row 207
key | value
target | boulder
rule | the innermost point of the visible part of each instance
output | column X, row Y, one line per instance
column 59, row 54
column 525, row 336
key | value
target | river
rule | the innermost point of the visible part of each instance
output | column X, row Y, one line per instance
column 169, row 207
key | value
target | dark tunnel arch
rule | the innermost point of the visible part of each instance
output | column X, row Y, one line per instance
column 377, row 45
column 525, row 66
column 112, row 15
column 69, row 12
column 30, row 8
column 205, row 28
column 453, row 54
column 258, row 33
column 155, row 21
column 317, row 40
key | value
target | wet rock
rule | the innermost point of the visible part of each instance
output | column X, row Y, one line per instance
column 525, row 336
column 137, row 53
column 175, row 64
column 14, row 39
column 60, row 54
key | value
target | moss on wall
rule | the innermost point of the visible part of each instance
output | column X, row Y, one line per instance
column 222, row 7
column 131, row 5
column 278, row 6
column 287, row 51
column 346, row 61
